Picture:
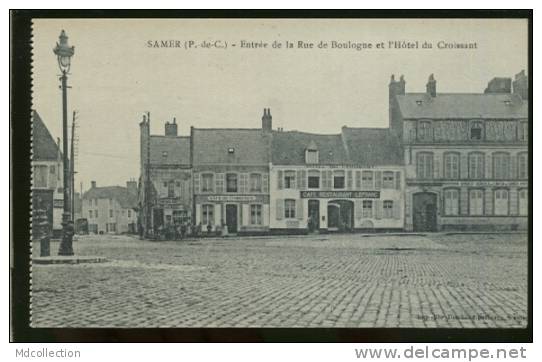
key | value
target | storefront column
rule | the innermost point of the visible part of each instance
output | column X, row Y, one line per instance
column 323, row 214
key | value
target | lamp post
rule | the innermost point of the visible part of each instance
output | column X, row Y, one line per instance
column 64, row 53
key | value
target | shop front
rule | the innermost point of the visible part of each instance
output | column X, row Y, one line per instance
column 239, row 214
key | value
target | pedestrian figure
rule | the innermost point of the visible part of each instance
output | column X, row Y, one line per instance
column 183, row 230
column 224, row 229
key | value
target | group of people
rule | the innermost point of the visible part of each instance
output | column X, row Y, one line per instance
column 171, row 231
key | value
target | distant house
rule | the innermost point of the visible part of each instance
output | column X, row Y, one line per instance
column 111, row 209
column 47, row 192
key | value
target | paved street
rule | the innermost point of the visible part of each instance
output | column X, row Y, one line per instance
column 317, row 281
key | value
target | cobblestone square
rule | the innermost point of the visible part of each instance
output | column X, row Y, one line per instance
column 437, row 280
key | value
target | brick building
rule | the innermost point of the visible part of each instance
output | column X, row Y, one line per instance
column 466, row 155
column 165, row 183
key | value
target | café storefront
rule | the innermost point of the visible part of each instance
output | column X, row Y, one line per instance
column 241, row 214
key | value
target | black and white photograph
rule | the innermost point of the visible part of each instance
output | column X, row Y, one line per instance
column 280, row 173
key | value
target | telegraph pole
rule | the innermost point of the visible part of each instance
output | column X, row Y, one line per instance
column 72, row 168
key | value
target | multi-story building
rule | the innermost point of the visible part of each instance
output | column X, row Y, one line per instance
column 47, row 191
column 466, row 155
column 165, row 183
column 344, row 182
column 231, row 177
column 111, row 209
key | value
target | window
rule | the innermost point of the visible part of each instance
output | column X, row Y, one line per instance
column 256, row 214
column 387, row 180
column 367, row 180
column 165, row 184
column 110, row 227
column 207, row 214
column 367, row 208
column 424, row 130
column 523, row 169
column 171, row 189
column 231, row 182
column 338, row 179
column 311, row 156
column 476, row 165
column 314, row 179
column 289, row 179
column 289, row 209
column 501, row 202
column 110, row 213
column 129, row 213
column 476, row 202
column 96, row 213
column 424, row 165
column 207, row 182
column 476, row 131
column 523, row 199
column 501, row 166
column 90, row 214
column 523, row 131
column 178, row 184
column 451, row 202
column 52, row 170
column 451, row 165
column 387, row 208
column 255, row 182
column 40, row 176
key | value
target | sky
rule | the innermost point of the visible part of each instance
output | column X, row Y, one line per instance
column 115, row 77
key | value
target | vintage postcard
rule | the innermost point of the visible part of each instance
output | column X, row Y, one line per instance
column 293, row 173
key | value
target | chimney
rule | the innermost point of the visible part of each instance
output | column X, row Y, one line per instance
column 521, row 85
column 131, row 186
column 395, row 88
column 92, row 184
column 431, row 87
column 267, row 120
column 499, row 85
column 171, row 128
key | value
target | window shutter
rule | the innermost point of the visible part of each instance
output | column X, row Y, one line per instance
column 358, row 180
column 378, row 180
column 196, row 183
column 489, row 166
column 299, row 209
column 436, row 166
column 357, row 209
column 398, row 180
column 219, row 183
column 241, row 213
column 298, row 178
column 279, row 179
column 324, row 180
column 396, row 210
column 378, row 209
column 463, row 166
column 349, row 179
column 243, row 180
column 303, row 180
column 279, row 208
column 265, row 183
column 514, row 167
column 329, row 179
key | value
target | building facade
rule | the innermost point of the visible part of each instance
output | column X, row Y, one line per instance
column 466, row 155
column 165, row 183
column 231, row 178
column 47, row 176
column 111, row 209
column 348, row 182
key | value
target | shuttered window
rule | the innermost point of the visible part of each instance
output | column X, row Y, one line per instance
column 387, row 180
column 451, row 165
column 289, row 209
column 523, row 169
column 476, row 202
column 367, row 208
column 501, row 202
column 501, row 166
column 523, row 201
column 476, row 166
column 387, row 209
column 451, row 202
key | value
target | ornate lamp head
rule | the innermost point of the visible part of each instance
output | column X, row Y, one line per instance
column 63, row 52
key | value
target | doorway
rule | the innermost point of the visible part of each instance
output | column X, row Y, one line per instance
column 231, row 218
column 425, row 211
column 340, row 215
column 314, row 215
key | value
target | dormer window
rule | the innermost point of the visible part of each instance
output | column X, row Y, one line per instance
column 419, row 102
column 231, row 150
column 164, row 154
column 476, row 131
column 424, row 130
column 311, row 153
column 311, row 156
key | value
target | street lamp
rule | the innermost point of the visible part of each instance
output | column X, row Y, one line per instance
column 64, row 53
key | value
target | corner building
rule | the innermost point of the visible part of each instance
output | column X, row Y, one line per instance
column 466, row 155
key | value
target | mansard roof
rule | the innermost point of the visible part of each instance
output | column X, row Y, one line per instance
column 462, row 106
column 168, row 150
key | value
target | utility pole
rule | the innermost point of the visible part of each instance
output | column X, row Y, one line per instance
column 148, row 179
column 72, row 168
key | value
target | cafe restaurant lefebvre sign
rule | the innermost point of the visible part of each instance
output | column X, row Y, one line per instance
column 340, row 194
